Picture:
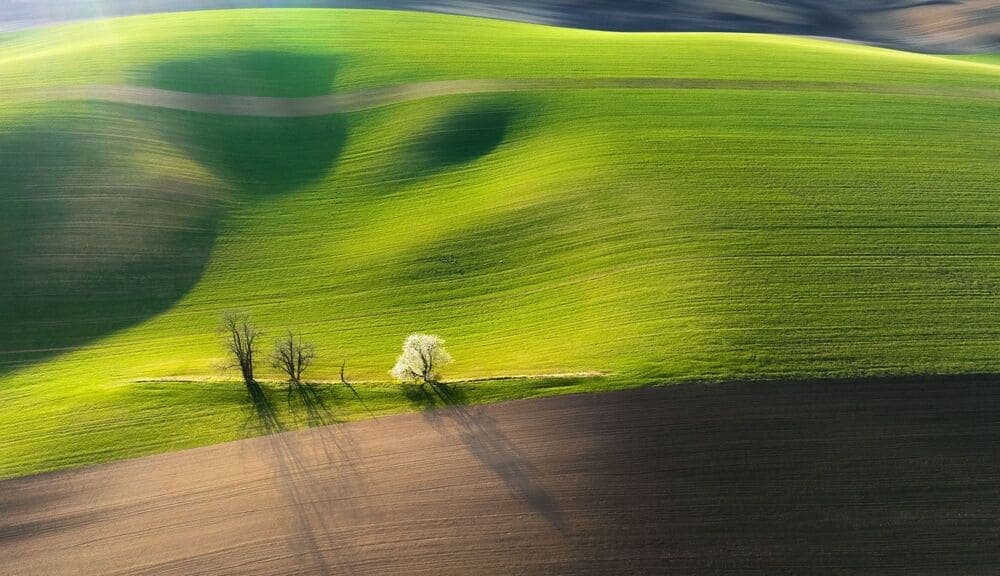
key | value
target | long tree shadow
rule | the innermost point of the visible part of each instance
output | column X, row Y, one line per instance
column 446, row 408
column 302, row 465
column 310, row 398
column 262, row 417
column 308, row 494
column 419, row 397
column 360, row 400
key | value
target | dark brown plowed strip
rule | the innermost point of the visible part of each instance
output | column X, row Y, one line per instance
column 890, row 476
column 376, row 97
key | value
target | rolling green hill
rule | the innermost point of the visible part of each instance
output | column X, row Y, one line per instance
column 761, row 207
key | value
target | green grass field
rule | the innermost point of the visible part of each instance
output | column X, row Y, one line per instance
column 784, row 229
column 980, row 58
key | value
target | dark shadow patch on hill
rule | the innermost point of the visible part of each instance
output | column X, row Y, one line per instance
column 249, row 73
column 459, row 137
column 92, row 238
column 260, row 155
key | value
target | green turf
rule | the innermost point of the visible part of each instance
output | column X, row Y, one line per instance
column 202, row 50
column 660, row 235
column 992, row 58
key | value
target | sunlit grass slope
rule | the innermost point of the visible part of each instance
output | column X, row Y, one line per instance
column 208, row 51
column 993, row 58
column 659, row 235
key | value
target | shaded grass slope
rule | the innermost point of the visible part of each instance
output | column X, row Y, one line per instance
column 95, row 237
column 657, row 234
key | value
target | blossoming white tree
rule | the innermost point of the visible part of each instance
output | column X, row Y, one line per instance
column 422, row 359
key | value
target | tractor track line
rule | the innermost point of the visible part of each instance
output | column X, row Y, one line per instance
column 357, row 100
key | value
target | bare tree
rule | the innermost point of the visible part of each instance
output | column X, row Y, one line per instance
column 240, row 335
column 292, row 356
column 422, row 359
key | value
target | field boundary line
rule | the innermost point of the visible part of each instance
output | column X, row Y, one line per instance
column 222, row 379
column 365, row 99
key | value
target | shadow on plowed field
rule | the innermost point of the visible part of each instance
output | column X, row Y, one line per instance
column 445, row 408
column 891, row 474
column 871, row 475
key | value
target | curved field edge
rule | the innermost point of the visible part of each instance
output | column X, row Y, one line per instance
column 220, row 411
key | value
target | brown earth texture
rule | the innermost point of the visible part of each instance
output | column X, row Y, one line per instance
column 876, row 476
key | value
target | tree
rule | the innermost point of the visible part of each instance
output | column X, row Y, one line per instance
column 422, row 359
column 292, row 356
column 240, row 335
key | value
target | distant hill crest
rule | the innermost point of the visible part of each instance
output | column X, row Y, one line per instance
column 958, row 26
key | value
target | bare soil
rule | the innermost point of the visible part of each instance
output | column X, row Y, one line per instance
column 873, row 476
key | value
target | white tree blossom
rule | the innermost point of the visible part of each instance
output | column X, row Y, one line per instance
column 422, row 359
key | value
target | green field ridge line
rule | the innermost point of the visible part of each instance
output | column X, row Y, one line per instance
column 218, row 379
column 358, row 100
